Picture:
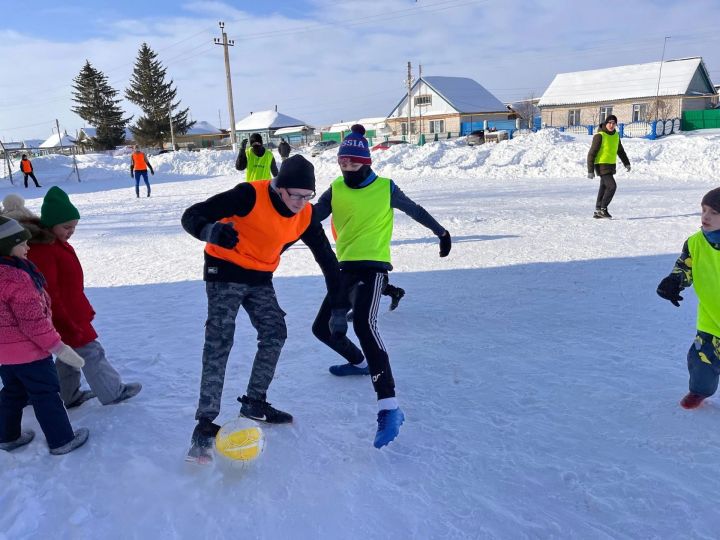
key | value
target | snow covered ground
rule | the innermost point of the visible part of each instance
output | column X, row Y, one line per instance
column 538, row 370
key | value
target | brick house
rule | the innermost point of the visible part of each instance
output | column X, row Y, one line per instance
column 633, row 93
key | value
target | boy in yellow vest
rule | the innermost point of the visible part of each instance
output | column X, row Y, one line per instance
column 259, row 162
column 362, row 203
column 601, row 159
column 699, row 265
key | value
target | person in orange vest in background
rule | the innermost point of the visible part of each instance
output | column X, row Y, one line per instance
column 139, row 166
column 27, row 169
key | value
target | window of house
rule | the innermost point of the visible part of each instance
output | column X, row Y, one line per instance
column 424, row 99
column 639, row 112
column 574, row 117
column 437, row 126
column 605, row 112
column 404, row 127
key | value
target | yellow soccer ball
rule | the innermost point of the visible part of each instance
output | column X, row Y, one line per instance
column 240, row 440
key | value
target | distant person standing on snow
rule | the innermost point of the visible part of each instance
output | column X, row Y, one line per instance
column 361, row 204
column 139, row 166
column 601, row 159
column 284, row 149
column 699, row 266
column 259, row 162
column 27, row 169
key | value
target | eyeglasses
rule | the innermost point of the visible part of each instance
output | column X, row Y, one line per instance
column 297, row 197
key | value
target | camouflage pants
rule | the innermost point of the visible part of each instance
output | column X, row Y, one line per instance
column 261, row 305
column 703, row 360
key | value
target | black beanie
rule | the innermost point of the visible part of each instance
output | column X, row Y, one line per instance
column 610, row 117
column 712, row 199
column 255, row 138
column 296, row 172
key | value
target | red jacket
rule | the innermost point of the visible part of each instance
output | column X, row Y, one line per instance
column 72, row 313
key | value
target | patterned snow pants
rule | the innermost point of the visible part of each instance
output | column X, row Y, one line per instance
column 703, row 360
column 261, row 305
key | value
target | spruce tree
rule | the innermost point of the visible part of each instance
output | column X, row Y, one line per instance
column 156, row 98
column 96, row 104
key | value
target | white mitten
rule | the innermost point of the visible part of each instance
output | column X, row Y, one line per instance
column 69, row 356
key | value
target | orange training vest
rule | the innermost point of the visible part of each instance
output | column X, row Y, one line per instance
column 139, row 161
column 25, row 165
column 262, row 233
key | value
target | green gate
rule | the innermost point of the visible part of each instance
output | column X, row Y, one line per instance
column 706, row 119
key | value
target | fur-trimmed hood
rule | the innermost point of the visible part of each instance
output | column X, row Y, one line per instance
column 40, row 235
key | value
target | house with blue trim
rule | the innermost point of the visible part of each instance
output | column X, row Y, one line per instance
column 442, row 105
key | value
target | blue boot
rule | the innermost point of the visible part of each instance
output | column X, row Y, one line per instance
column 389, row 422
column 342, row 370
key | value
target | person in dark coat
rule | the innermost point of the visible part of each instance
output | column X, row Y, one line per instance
column 284, row 149
column 606, row 147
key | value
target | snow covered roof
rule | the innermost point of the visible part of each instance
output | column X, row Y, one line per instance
column 625, row 82
column 54, row 141
column 376, row 122
column 464, row 94
column 267, row 120
column 292, row 129
column 14, row 145
column 203, row 128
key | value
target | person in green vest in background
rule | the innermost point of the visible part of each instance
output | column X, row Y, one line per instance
column 258, row 162
column 699, row 266
column 362, row 203
column 601, row 159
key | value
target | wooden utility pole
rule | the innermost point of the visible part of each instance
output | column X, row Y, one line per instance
column 409, row 97
column 225, row 42
column 420, row 105
column 172, row 131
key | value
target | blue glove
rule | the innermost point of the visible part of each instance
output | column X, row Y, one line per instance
column 445, row 244
column 221, row 234
column 338, row 323
column 591, row 175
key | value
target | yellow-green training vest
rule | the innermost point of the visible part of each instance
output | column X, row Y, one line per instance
column 363, row 219
column 258, row 168
column 608, row 149
column 706, row 280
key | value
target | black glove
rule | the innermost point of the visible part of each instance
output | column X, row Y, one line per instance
column 670, row 288
column 627, row 167
column 243, row 143
column 221, row 234
column 445, row 244
column 591, row 175
column 338, row 323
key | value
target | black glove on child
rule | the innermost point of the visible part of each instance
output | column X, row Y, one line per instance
column 221, row 234
column 670, row 288
column 445, row 244
column 338, row 323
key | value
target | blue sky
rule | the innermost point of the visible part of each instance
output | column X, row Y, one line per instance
column 325, row 61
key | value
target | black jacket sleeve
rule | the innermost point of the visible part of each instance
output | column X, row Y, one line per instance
column 316, row 239
column 323, row 207
column 241, row 161
column 148, row 164
column 237, row 201
column 594, row 149
column 622, row 155
column 273, row 168
column 402, row 202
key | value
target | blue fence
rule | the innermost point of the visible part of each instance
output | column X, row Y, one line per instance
column 647, row 130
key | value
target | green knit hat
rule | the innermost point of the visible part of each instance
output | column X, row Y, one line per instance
column 57, row 208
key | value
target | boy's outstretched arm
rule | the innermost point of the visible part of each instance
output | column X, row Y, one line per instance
column 680, row 278
column 404, row 203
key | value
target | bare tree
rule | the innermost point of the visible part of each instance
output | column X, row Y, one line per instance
column 660, row 109
column 527, row 109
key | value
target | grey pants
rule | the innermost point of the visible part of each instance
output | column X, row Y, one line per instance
column 102, row 378
column 261, row 305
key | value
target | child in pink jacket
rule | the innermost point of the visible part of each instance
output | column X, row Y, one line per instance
column 27, row 342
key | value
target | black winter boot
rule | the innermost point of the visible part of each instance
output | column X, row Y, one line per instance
column 262, row 411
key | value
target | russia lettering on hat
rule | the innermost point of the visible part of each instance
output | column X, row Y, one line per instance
column 355, row 146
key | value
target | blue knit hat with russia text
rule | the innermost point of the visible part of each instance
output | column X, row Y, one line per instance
column 355, row 146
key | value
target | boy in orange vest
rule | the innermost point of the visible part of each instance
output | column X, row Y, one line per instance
column 139, row 166
column 246, row 229
column 27, row 169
